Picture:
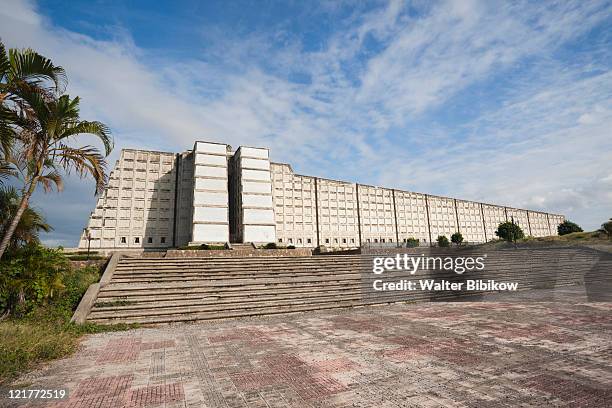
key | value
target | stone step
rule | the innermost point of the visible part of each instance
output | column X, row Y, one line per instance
column 161, row 296
column 237, row 292
column 177, row 273
column 262, row 278
column 269, row 310
column 199, row 299
column 235, row 282
column 213, row 277
column 252, row 306
column 131, row 310
column 229, row 314
column 219, row 293
column 242, row 262
column 241, row 298
column 242, row 269
column 216, row 268
column 236, row 259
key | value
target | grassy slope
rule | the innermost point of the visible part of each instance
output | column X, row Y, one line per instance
column 590, row 239
column 47, row 333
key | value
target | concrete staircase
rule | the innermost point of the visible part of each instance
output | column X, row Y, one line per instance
column 165, row 290
column 172, row 290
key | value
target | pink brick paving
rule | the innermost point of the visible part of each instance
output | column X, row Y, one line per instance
column 423, row 355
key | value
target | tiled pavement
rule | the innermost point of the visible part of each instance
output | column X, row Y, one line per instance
column 468, row 354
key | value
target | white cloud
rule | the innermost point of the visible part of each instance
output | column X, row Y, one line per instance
column 360, row 98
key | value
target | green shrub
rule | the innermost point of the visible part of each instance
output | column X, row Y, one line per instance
column 509, row 231
column 212, row 247
column 76, row 282
column 271, row 245
column 607, row 227
column 443, row 241
column 46, row 333
column 30, row 276
column 290, row 246
column 567, row 227
column 457, row 238
column 412, row 242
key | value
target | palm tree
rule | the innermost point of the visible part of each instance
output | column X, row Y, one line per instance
column 43, row 149
column 30, row 224
column 19, row 70
column 36, row 128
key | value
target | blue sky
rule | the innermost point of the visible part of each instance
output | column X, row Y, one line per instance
column 504, row 102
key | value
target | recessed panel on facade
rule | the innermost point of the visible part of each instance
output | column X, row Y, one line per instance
column 210, row 233
column 208, row 171
column 254, row 152
column 259, row 233
column 253, row 187
column 211, row 184
column 209, row 198
column 259, row 175
column 208, row 159
column 207, row 147
column 248, row 163
column 210, row 214
column 250, row 200
column 258, row 216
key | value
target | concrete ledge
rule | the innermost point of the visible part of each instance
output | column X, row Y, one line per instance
column 236, row 253
column 91, row 295
column 110, row 269
column 86, row 303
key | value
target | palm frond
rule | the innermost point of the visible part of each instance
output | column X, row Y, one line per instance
column 8, row 120
column 31, row 106
column 51, row 179
column 6, row 171
column 5, row 64
column 85, row 161
column 95, row 128
column 30, row 223
column 30, row 66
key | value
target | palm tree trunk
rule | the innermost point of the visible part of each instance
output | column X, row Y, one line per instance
column 6, row 239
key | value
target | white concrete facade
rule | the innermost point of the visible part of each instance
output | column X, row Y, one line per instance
column 210, row 222
column 253, row 210
column 136, row 209
column 211, row 194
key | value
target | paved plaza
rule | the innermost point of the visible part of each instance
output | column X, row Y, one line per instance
column 469, row 354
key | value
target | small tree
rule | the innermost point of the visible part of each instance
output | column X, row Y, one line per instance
column 567, row 227
column 607, row 227
column 44, row 150
column 412, row 242
column 457, row 238
column 443, row 241
column 31, row 277
column 30, row 224
column 509, row 231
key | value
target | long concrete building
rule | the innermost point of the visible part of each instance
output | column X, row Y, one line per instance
column 213, row 194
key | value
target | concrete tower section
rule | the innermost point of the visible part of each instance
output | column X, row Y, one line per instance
column 210, row 196
column 251, row 196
